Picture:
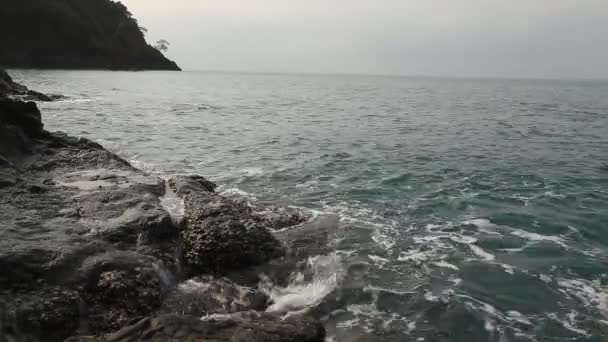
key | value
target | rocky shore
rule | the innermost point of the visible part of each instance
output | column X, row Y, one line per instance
column 89, row 253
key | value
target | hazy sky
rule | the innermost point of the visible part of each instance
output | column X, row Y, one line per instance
column 510, row 38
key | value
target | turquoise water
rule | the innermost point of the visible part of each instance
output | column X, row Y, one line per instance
column 470, row 210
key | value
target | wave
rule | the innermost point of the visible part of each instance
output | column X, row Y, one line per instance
column 173, row 205
column 324, row 273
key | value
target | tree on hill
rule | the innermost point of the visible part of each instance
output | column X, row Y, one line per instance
column 162, row 45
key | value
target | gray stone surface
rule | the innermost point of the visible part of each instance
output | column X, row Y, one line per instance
column 220, row 234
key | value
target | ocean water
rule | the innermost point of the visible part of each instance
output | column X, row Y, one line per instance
column 468, row 210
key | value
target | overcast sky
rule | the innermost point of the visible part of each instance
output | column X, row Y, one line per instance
column 488, row 38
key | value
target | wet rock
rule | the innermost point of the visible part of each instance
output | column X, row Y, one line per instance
column 75, row 217
column 220, row 234
column 279, row 218
column 24, row 115
column 117, row 297
column 8, row 174
column 47, row 230
column 49, row 314
column 207, row 295
column 18, row 92
column 302, row 242
column 5, row 82
column 234, row 328
column 187, row 185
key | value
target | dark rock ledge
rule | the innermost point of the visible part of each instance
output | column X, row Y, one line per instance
column 14, row 90
column 88, row 253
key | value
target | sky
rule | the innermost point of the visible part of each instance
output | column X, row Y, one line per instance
column 565, row 39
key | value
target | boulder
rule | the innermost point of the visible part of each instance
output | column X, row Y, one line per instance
column 24, row 115
column 220, row 234
column 49, row 314
column 231, row 328
column 117, row 297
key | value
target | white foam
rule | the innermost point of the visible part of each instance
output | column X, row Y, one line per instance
column 538, row 237
column 378, row 260
column 551, row 194
column 518, row 317
column 384, row 240
column 252, row 171
column 236, row 192
column 432, row 227
column 429, row 296
column 463, row 239
column 372, row 288
column 417, row 256
column 311, row 184
column 569, row 323
column 508, row 268
column 173, row 204
column 446, row 265
column 590, row 293
column 480, row 252
column 455, row 281
column 367, row 315
column 480, row 223
column 385, row 231
column 327, row 273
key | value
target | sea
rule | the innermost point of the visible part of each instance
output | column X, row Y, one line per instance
column 467, row 209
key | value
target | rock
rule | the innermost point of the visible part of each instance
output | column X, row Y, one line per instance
column 302, row 242
column 83, row 235
column 8, row 174
column 32, row 95
column 279, row 218
column 49, row 314
column 106, row 205
column 207, row 295
column 234, row 328
column 19, row 92
column 24, row 115
column 220, row 234
column 4, row 76
column 5, row 81
column 187, row 185
column 117, row 297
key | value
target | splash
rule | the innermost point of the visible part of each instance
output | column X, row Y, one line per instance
column 302, row 294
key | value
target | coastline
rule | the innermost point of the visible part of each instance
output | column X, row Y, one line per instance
column 89, row 251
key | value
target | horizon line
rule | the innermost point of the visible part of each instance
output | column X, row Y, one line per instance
column 396, row 75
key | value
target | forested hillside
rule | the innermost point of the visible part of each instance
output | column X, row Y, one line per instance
column 74, row 34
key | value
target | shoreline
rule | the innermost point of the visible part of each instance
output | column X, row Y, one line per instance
column 91, row 252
